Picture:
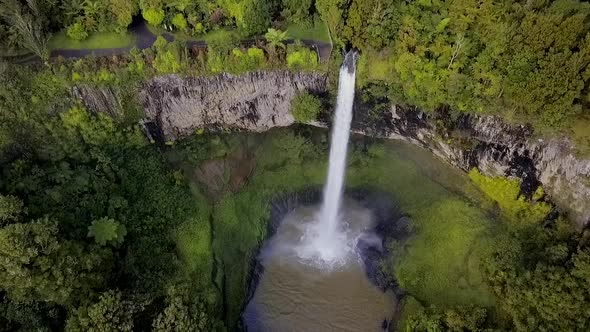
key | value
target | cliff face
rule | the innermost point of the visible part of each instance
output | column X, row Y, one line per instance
column 497, row 149
column 254, row 101
column 176, row 107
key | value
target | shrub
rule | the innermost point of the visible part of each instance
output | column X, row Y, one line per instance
column 506, row 192
column 160, row 44
column 256, row 17
column 167, row 62
column 179, row 22
column 250, row 60
column 301, row 58
column 167, row 56
column 305, row 107
column 153, row 16
column 221, row 47
column 77, row 31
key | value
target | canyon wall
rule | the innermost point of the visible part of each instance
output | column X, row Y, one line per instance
column 255, row 101
column 497, row 149
column 175, row 107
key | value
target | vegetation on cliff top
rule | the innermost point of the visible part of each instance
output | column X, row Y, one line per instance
column 527, row 61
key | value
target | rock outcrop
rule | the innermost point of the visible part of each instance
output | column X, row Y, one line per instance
column 497, row 149
column 176, row 107
column 255, row 101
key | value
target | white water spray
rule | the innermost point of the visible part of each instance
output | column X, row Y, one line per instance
column 326, row 241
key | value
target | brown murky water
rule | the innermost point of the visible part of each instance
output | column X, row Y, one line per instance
column 298, row 295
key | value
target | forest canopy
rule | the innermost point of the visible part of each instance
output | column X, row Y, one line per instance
column 524, row 60
column 97, row 221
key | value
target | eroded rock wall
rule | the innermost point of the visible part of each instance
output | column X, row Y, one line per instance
column 175, row 107
column 497, row 149
column 255, row 101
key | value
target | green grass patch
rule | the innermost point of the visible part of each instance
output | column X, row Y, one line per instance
column 94, row 41
column 207, row 36
column 506, row 193
column 318, row 30
column 193, row 241
column 441, row 263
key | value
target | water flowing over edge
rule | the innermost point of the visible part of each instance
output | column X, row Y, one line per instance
column 325, row 243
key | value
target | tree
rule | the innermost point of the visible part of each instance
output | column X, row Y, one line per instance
column 256, row 17
column 332, row 12
column 185, row 313
column 541, row 278
column 153, row 16
column 110, row 314
column 297, row 11
column 3, row 67
column 10, row 209
column 27, row 316
column 123, row 11
column 36, row 265
column 305, row 107
column 372, row 23
column 416, row 317
column 27, row 25
column 274, row 39
column 107, row 230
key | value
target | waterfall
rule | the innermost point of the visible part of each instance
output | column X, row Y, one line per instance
column 339, row 146
column 328, row 242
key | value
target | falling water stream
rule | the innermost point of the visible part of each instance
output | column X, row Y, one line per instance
column 314, row 278
column 328, row 231
column 326, row 243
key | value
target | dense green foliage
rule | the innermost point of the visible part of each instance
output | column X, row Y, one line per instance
column 457, row 318
column 540, row 276
column 305, row 107
column 29, row 25
column 506, row 192
column 516, row 58
column 101, row 231
column 521, row 59
column 89, row 213
column 110, row 313
column 67, row 200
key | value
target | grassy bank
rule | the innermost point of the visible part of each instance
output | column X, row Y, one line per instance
column 95, row 40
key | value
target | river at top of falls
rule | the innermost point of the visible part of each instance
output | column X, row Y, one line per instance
column 325, row 242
